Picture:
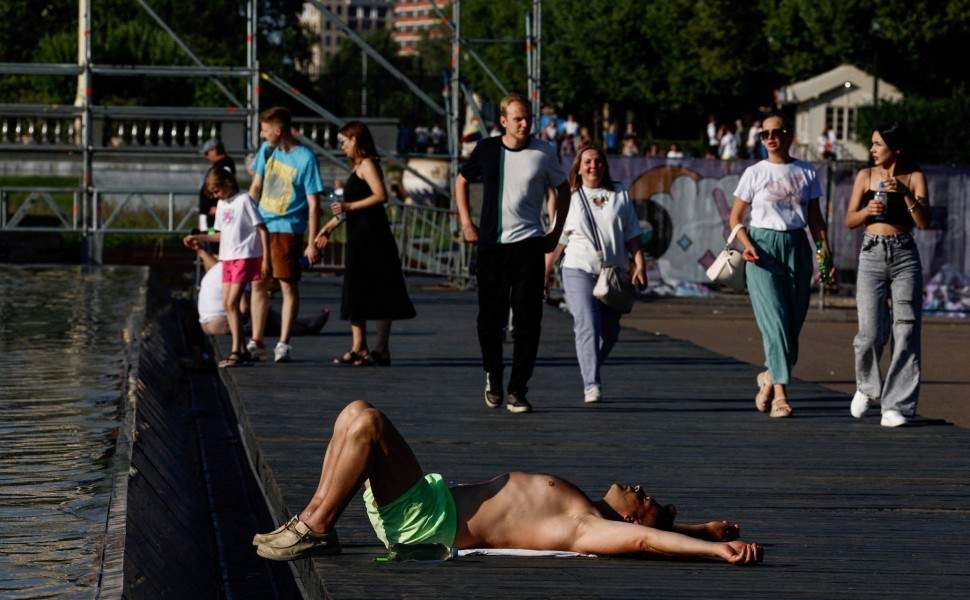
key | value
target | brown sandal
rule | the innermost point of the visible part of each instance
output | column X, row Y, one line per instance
column 780, row 408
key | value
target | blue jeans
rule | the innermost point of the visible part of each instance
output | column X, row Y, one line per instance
column 596, row 326
column 889, row 267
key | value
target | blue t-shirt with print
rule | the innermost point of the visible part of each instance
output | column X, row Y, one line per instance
column 288, row 178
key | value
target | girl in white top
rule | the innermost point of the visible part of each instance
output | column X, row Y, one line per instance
column 596, row 326
column 783, row 195
column 244, row 250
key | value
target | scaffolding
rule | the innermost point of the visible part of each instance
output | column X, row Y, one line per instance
column 87, row 128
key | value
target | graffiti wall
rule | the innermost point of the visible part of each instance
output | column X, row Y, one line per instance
column 685, row 206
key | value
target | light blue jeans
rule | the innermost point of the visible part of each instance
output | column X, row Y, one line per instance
column 596, row 326
column 780, row 288
column 889, row 267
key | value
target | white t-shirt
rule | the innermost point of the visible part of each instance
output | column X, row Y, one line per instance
column 779, row 193
column 617, row 223
column 729, row 146
column 237, row 219
column 211, row 306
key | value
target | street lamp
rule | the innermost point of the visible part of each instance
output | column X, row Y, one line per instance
column 875, row 63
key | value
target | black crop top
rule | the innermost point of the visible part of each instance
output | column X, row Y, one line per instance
column 897, row 213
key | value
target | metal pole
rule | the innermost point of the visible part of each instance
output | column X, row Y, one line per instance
column 529, row 73
column 537, row 53
column 455, row 91
column 92, row 247
column 363, row 83
column 252, row 91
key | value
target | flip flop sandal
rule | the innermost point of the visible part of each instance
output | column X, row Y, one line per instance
column 235, row 360
column 763, row 399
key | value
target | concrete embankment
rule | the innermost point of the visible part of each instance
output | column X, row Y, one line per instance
column 183, row 490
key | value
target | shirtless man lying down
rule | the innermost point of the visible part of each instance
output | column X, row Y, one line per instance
column 514, row 510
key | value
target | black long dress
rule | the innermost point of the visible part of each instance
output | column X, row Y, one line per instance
column 374, row 287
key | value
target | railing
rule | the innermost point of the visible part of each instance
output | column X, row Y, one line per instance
column 428, row 239
column 55, row 127
column 40, row 208
column 427, row 242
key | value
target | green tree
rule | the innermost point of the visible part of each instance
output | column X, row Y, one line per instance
column 123, row 33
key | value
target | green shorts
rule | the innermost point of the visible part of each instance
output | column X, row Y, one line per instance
column 423, row 514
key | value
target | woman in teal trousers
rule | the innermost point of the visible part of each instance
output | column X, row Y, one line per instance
column 782, row 194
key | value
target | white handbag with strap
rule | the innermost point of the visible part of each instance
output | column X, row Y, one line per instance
column 728, row 268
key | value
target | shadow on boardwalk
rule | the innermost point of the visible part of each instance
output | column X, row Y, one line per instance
column 844, row 508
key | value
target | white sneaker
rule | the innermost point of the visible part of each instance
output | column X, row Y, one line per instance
column 256, row 350
column 592, row 395
column 282, row 352
column 860, row 405
column 893, row 418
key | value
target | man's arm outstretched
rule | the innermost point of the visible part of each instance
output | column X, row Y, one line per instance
column 597, row 535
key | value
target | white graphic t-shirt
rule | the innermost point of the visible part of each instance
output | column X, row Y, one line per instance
column 779, row 193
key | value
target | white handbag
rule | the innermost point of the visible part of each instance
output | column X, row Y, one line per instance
column 613, row 288
column 728, row 268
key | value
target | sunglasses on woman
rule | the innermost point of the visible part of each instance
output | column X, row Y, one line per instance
column 767, row 133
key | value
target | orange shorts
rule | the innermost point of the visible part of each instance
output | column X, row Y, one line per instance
column 286, row 249
column 242, row 270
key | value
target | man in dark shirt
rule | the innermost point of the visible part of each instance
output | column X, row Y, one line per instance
column 516, row 170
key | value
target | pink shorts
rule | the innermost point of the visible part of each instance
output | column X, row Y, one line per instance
column 242, row 270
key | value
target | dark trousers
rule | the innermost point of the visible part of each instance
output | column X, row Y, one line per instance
column 511, row 276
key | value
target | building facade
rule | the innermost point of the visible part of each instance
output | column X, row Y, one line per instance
column 412, row 19
column 363, row 17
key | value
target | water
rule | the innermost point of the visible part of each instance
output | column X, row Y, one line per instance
column 62, row 370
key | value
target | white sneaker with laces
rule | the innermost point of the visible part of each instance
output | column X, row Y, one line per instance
column 893, row 418
column 592, row 395
column 860, row 405
column 282, row 352
column 256, row 350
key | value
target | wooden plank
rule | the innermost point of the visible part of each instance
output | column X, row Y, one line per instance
column 844, row 507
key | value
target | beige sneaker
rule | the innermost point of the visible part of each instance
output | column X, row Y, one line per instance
column 299, row 541
column 262, row 538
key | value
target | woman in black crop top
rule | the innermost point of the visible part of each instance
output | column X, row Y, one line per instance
column 889, row 268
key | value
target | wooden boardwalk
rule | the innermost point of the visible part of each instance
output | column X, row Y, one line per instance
column 844, row 508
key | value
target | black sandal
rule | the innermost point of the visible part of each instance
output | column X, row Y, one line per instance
column 236, row 359
column 349, row 358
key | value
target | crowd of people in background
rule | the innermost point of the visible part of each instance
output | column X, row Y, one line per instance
column 721, row 139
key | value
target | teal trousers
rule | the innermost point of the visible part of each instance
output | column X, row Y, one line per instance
column 780, row 288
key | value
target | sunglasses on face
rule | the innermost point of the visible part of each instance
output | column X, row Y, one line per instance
column 767, row 133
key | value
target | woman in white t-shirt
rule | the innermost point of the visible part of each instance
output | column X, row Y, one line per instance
column 783, row 195
column 596, row 326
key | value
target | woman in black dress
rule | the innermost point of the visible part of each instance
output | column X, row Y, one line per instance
column 374, row 288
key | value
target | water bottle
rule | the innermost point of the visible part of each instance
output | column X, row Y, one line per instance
column 333, row 200
column 824, row 260
column 882, row 197
column 420, row 552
